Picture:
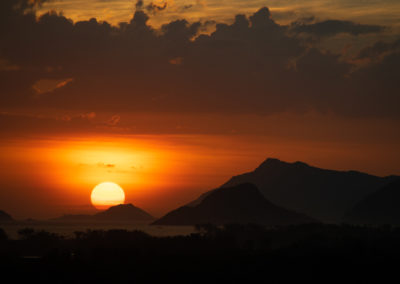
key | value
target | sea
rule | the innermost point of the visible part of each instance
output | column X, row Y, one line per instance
column 67, row 229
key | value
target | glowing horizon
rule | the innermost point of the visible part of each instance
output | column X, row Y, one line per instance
column 158, row 173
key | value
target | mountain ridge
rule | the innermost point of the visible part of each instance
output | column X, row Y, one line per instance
column 321, row 193
column 379, row 208
column 238, row 204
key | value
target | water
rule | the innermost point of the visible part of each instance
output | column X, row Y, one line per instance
column 68, row 229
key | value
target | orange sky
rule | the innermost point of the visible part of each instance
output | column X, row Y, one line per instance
column 184, row 94
column 47, row 177
column 373, row 11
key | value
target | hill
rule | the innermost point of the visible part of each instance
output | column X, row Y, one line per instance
column 118, row 213
column 124, row 212
column 5, row 217
column 378, row 208
column 238, row 204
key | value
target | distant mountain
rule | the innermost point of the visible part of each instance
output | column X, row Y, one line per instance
column 238, row 204
column 124, row 212
column 320, row 193
column 74, row 218
column 118, row 213
column 380, row 207
column 5, row 217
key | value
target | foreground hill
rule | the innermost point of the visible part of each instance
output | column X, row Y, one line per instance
column 380, row 207
column 118, row 213
column 5, row 217
column 323, row 194
column 238, row 204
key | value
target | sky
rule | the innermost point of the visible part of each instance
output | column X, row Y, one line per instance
column 171, row 98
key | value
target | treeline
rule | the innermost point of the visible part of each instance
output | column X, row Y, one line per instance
column 234, row 253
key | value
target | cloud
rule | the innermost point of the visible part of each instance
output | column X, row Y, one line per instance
column 334, row 27
column 139, row 4
column 250, row 66
column 154, row 8
column 6, row 66
column 187, row 7
column 114, row 120
column 102, row 165
column 151, row 8
column 49, row 85
column 176, row 60
column 89, row 115
column 379, row 50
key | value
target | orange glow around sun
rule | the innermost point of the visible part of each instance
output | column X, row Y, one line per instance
column 107, row 194
column 157, row 173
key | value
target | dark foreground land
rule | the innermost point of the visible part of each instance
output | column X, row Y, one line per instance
column 312, row 253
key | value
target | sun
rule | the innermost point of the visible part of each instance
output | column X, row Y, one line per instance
column 107, row 194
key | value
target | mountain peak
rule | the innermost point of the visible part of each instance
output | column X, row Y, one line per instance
column 276, row 163
column 301, row 164
column 121, row 207
column 272, row 161
column 322, row 193
column 124, row 212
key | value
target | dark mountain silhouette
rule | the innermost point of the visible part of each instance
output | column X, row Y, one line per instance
column 118, row 213
column 238, row 204
column 5, row 217
column 378, row 208
column 320, row 193
column 124, row 212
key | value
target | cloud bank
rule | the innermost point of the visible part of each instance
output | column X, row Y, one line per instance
column 253, row 65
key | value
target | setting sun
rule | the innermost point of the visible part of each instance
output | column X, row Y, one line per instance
column 107, row 194
column 178, row 135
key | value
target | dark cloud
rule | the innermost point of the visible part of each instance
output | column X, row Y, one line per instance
column 187, row 7
column 139, row 4
column 380, row 80
column 380, row 49
column 253, row 65
column 334, row 27
column 154, row 8
column 151, row 8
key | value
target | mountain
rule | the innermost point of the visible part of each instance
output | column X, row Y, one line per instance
column 5, row 217
column 380, row 207
column 124, row 212
column 118, row 213
column 238, row 204
column 74, row 218
column 320, row 193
